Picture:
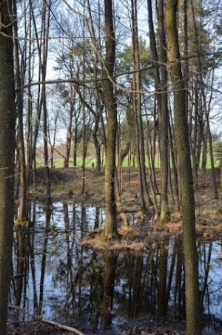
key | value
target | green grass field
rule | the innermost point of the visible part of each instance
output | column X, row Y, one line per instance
column 91, row 162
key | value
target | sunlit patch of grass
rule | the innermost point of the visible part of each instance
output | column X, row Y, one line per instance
column 175, row 228
column 175, row 217
column 124, row 244
column 208, row 233
column 209, row 216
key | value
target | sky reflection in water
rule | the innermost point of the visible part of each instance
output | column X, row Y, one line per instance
column 91, row 290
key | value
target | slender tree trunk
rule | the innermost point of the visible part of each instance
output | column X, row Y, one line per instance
column 84, row 151
column 97, row 144
column 84, row 133
column 7, row 151
column 139, row 132
column 21, row 220
column 35, row 131
column 69, row 128
column 174, row 172
column 203, row 110
column 22, row 215
column 98, row 113
column 75, row 144
column 46, row 13
column 163, row 117
column 184, row 172
column 160, row 75
column 29, row 129
column 110, row 229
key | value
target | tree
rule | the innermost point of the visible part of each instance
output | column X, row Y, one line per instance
column 7, row 150
column 110, row 229
column 22, row 215
column 136, row 86
column 184, row 171
column 131, row 128
column 160, row 76
column 43, row 58
column 201, row 43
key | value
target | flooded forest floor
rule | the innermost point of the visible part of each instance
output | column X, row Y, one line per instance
column 68, row 184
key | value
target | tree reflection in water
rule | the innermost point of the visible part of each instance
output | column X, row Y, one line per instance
column 54, row 276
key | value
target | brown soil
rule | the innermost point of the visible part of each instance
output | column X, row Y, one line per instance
column 139, row 327
column 67, row 183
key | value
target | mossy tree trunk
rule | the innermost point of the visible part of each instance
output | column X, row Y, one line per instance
column 110, row 229
column 184, row 171
column 7, row 149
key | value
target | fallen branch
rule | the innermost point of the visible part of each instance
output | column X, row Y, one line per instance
column 59, row 325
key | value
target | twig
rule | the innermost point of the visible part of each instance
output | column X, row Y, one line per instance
column 59, row 325
column 31, row 331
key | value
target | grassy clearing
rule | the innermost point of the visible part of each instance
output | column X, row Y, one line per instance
column 91, row 162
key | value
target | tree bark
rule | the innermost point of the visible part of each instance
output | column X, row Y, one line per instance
column 110, row 229
column 22, row 215
column 160, row 76
column 7, row 149
column 184, row 171
column 69, row 132
column 139, row 132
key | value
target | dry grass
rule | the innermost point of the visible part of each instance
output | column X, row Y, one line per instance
column 67, row 183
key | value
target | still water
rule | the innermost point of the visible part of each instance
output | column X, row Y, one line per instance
column 54, row 277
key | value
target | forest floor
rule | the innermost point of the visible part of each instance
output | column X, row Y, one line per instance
column 67, row 184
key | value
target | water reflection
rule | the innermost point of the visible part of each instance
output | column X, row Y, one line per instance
column 55, row 277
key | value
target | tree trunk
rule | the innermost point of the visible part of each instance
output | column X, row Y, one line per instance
column 46, row 14
column 69, row 128
column 75, row 144
column 139, row 133
column 184, row 171
column 22, row 215
column 97, row 144
column 160, row 75
column 110, row 229
column 7, row 150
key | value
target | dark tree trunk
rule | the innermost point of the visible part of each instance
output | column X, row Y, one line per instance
column 184, row 172
column 69, row 130
column 110, row 229
column 22, row 215
column 139, row 131
column 7, row 150
column 160, row 75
